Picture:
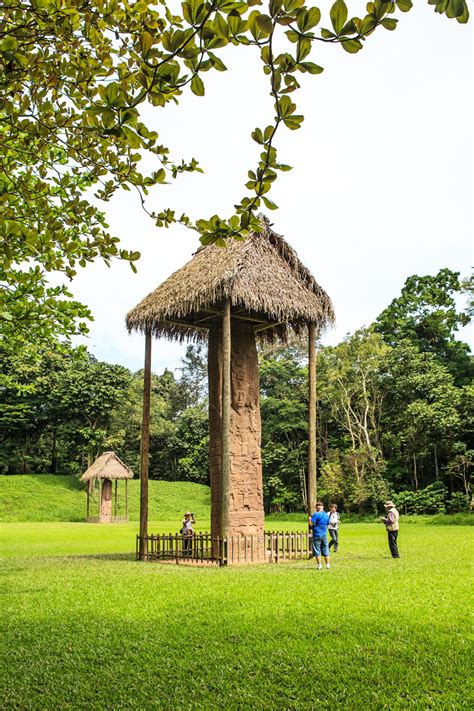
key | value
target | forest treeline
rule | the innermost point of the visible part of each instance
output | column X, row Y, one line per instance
column 395, row 415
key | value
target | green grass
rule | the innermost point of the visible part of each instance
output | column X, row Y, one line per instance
column 87, row 627
column 46, row 497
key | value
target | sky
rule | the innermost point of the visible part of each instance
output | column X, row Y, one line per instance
column 381, row 186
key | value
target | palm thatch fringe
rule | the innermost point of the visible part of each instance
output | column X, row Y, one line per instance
column 107, row 466
column 262, row 276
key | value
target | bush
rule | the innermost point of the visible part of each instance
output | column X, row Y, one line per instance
column 460, row 519
column 458, row 503
column 430, row 500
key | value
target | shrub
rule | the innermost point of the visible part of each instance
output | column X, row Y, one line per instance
column 430, row 500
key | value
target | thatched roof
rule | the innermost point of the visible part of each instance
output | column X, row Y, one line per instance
column 266, row 282
column 107, row 466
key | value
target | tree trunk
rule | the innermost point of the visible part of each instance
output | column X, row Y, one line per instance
column 436, row 463
column 54, row 455
column 415, row 475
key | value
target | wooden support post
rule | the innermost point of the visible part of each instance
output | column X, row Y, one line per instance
column 312, row 487
column 88, row 499
column 126, row 499
column 226, row 396
column 115, row 503
column 145, row 448
column 100, row 499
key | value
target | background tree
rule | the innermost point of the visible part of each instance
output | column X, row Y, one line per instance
column 427, row 315
column 421, row 418
column 352, row 392
column 283, row 383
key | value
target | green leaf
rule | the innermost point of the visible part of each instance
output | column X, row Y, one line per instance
column 258, row 136
column 111, row 93
column 275, row 7
column 404, row 5
column 269, row 203
column 304, row 48
column 9, row 44
column 197, row 86
column 286, row 106
column 369, row 23
column 141, row 7
column 389, row 23
column 133, row 139
column 352, row 45
column 338, row 15
column 146, row 41
column 244, row 220
column 312, row 68
column 314, row 16
column 265, row 24
column 326, row 34
column 455, row 8
column 293, row 122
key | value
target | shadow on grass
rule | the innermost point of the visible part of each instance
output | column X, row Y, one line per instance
column 99, row 556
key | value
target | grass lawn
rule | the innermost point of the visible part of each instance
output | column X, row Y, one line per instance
column 86, row 627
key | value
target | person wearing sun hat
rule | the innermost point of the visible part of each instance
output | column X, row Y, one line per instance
column 391, row 521
column 187, row 531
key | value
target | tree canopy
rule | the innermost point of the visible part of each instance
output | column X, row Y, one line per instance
column 74, row 76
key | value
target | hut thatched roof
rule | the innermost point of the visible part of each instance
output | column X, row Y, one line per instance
column 107, row 466
column 266, row 282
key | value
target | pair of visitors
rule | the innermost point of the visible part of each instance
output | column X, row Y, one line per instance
column 320, row 522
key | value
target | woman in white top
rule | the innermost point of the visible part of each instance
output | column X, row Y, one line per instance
column 333, row 527
column 187, row 531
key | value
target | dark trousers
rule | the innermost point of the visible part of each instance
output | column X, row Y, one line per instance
column 392, row 543
column 188, row 545
column 334, row 533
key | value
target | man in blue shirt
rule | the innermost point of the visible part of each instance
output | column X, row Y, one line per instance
column 319, row 523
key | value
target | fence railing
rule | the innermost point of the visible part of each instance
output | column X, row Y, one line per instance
column 203, row 548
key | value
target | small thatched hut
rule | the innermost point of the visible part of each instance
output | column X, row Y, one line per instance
column 107, row 468
column 252, row 290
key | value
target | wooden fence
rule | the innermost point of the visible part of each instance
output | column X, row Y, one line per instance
column 202, row 548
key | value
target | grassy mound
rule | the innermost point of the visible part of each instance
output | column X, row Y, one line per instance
column 45, row 497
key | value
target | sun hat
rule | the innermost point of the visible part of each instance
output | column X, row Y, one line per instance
column 389, row 505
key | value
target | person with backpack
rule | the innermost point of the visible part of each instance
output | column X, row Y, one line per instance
column 333, row 527
column 318, row 522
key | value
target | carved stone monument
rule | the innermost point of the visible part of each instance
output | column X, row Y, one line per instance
column 246, row 514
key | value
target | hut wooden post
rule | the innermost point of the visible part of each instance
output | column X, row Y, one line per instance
column 115, row 503
column 225, row 433
column 126, row 499
column 145, row 449
column 312, row 487
column 88, row 498
column 100, row 497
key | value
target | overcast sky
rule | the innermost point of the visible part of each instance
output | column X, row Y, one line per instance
column 381, row 186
